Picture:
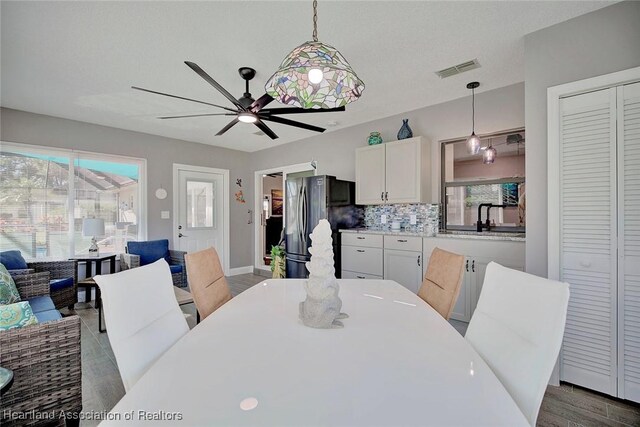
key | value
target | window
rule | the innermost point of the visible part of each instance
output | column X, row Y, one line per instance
column 46, row 193
column 467, row 182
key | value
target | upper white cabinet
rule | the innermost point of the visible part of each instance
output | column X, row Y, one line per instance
column 394, row 172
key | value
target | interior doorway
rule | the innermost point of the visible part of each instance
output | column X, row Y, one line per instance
column 270, row 209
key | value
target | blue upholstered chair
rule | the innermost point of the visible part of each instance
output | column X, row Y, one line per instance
column 63, row 285
column 144, row 253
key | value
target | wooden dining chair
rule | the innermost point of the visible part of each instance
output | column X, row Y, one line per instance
column 143, row 317
column 517, row 328
column 206, row 281
column 441, row 285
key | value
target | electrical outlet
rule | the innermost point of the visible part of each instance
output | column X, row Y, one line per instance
column 413, row 219
column 383, row 219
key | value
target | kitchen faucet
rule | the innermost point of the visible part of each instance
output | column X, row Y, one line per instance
column 479, row 225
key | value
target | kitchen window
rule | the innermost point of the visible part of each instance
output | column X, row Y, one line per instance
column 45, row 194
column 468, row 182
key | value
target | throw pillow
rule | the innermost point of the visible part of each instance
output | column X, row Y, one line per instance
column 16, row 316
column 13, row 260
column 8, row 291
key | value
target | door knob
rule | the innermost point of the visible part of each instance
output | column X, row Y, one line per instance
column 181, row 235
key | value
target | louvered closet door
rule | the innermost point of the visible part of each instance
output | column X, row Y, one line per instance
column 588, row 238
column 629, row 241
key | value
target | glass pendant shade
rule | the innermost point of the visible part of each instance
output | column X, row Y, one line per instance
column 473, row 144
column 489, row 155
column 315, row 75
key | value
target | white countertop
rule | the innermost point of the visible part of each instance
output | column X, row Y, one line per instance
column 395, row 362
column 486, row 235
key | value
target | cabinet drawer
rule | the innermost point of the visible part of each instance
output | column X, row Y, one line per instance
column 354, row 275
column 403, row 243
column 358, row 239
column 362, row 260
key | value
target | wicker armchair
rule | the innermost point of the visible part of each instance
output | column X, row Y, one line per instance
column 46, row 362
column 65, row 297
column 128, row 261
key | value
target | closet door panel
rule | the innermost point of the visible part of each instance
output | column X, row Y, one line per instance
column 588, row 238
column 629, row 244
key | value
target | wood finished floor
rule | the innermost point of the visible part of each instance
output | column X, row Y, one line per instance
column 564, row 406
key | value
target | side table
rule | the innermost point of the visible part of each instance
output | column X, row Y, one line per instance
column 89, row 283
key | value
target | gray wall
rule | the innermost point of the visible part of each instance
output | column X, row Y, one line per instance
column 161, row 153
column 597, row 43
column 335, row 151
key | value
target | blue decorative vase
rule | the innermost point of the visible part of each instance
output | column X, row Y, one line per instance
column 405, row 131
column 374, row 138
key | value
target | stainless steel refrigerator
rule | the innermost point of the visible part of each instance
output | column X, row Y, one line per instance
column 308, row 200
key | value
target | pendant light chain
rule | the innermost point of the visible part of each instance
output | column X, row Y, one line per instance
column 315, row 20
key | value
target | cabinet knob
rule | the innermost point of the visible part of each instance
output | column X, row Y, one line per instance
column 360, row 250
column 360, row 277
column 473, row 266
column 467, row 266
column 360, row 238
column 418, row 259
column 402, row 240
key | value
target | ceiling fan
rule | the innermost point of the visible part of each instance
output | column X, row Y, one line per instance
column 247, row 109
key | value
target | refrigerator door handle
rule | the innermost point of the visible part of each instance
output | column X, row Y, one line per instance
column 304, row 216
column 299, row 216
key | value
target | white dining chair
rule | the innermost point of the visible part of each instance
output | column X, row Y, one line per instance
column 142, row 316
column 517, row 329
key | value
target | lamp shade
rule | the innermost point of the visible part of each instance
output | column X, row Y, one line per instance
column 293, row 83
column 92, row 227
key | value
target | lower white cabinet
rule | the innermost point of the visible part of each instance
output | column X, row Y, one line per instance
column 405, row 267
column 478, row 254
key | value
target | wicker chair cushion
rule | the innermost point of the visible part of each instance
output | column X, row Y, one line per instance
column 150, row 251
column 8, row 291
column 175, row 268
column 13, row 260
column 48, row 316
column 57, row 284
column 42, row 303
column 16, row 316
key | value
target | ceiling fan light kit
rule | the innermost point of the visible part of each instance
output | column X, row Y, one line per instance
column 315, row 75
column 246, row 109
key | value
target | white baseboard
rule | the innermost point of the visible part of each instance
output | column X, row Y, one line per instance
column 241, row 270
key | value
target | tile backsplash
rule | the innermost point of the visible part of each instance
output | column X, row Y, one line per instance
column 427, row 217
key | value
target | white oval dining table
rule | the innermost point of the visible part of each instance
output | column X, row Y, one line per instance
column 396, row 362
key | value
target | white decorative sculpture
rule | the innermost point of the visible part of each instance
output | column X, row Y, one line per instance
column 322, row 307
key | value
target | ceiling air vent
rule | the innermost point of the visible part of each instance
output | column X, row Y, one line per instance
column 457, row 69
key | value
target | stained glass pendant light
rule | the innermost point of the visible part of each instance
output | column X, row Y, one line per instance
column 315, row 75
column 473, row 142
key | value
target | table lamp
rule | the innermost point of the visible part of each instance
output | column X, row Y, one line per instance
column 92, row 227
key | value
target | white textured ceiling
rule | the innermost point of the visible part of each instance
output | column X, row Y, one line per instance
column 78, row 59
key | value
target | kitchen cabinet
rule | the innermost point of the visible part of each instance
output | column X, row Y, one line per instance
column 394, row 172
column 478, row 254
column 403, row 260
column 362, row 256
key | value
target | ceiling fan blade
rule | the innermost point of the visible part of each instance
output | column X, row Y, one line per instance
column 295, row 110
column 231, row 124
column 214, row 83
column 196, row 115
column 293, row 123
column 181, row 97
column 260, row 103
column 264, row 128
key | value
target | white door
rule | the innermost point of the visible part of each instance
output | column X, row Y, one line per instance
column 370, row 175
column 588, row 239
column 405, row 267
column 201, row 207
column 402, row 167
column 629, row 244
